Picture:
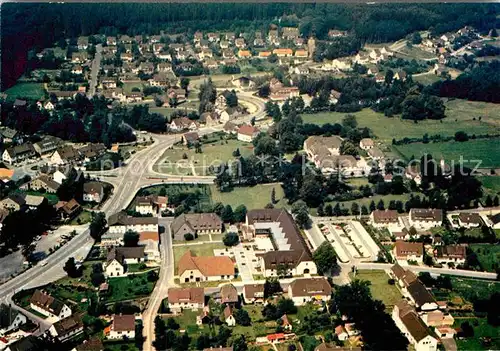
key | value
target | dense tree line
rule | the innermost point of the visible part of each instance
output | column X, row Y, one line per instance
column 27, row 26
column 479, row 84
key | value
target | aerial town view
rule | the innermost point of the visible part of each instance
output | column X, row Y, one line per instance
column 249, row 176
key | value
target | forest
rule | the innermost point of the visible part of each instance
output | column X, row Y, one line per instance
column 39, row 25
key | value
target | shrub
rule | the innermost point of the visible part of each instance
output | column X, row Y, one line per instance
column 188, row 237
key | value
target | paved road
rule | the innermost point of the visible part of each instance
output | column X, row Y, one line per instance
column 96, row 67
column 160, row 291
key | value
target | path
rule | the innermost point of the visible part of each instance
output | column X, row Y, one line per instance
column 96, row 66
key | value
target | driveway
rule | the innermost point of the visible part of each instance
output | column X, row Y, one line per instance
column 449, row 344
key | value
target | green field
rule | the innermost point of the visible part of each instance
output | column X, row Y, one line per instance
column 471, row 151
column 427, row 79
column 491, row 185
column 380, row 289
column 198, row 250
column 167, row 111
column 33, row 91
column 127, row 87
column 481, row 330
column 128, row 288
column 173, row 161
column 460, row 114
column 488, row 255
column 254, row 197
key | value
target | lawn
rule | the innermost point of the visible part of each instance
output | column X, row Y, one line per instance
column 460, row 114
column 174, row 190
column 488, row 255
column 127, row 87
column 181, row 158
column 481, row 330
column 129, row 288
column 471, row 151
column 167, row 111
column 51, row 198
column 254, row 197
column 198, row 250
column 427, row 79
column 33, row 91
column 187, row 319
column 380, row 289
column 82, row 218
column 491, row 185
column 471, row 289
column 120, row 346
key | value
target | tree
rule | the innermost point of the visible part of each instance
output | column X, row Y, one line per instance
column 461, row 136
column 130, row 238
column 273, row 196
column 97, row 276
column 71, row 269
column 242, row 318
column 236, row 153
column 380, row 205
column 271, row 287
column 97, row 225
column 185, row 83
column 325, row 259
column 239, row 343
column 188, row 237
column 364, row 210
column 372, row 206
column 302, row 218
column 239, row 214
column 227, row 214
column 355, row 209
column 488, row 201
column 231, row 239
column 416, row 38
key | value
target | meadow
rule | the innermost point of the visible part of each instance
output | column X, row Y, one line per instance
column 33, row 91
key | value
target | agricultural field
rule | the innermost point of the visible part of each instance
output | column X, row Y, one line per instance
column 460, row 114
column 471, row 151
column 488, row 255
column 182, row 160
column 254, row 197
column 380, row 288
column 33, row 91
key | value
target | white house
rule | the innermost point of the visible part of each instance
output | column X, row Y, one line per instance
column 48, row 306
column 366, row 143
column 66, row 328
column 469, row 220
column 119, row 257
column 341, row 333
column 425, row 218
column 122, row 327
column 304, row 290
column 455, row 254
column 384, row 219
column 193, row 268
column 228, row 316
column 151, row 243
column 406, row 251
column 16, row 319
column 253, row 293
column 185, row 298
column 415, row 330
column 247, row 133
column 120, row 223
column 93, row 192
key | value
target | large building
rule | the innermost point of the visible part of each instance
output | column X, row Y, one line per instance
column 196, row 224
column 48, row 306
column 405, row 251
column 305, row 290
column 425, row 218
column 290, row 249
column 192, row 268
column 121, row 222
column 185, row 298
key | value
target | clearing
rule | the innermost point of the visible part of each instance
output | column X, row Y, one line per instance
column 254, row 197
column 460, row 114
column 380, row 288
column 33, row 91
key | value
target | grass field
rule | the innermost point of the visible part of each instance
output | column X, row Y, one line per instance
column 427, row 79
column 376, row 198
column 167, row 111
column 491, row 185
column 488, row 255
column 379, row 287
column 128, row 288
column 34, row 91
column 471, row 151
column 127, row 87
column 198, row 250
column 254, row 197
column 460, row 114
column 82, row 218
column 481, row 330
column 213, row 154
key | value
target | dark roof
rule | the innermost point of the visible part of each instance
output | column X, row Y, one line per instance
column 197, row 221
column 68, row 153
column 451, row 251
column 426, row 214
column 228, row 294
column 93, row 344
column 29, row 343
column 420, row 294
column 46, row 302
column 122, row 253
column 92, row 187
column 121, row 218
column 182, row 295
column 253, row 289
column 472, row 217
column 68, row 325
column 387, row 216
column 20, row 149
column 18, row 198
column 495, row 218
column 415, row 326
column 124, row 322
column 310, row 287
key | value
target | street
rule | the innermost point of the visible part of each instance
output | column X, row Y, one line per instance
column 96, row 66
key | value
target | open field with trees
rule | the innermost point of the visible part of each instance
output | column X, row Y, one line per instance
column 254, row 197
column 471, row 151
column 488, row 255
column 380, row 288
column 460, row 116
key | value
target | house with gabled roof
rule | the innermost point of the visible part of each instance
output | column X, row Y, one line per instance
column 196, row 224
column 49, row 306
column 122, row 326
column 185, row 298
column 406, row 251
column 18, row 153
column 304, row 290
column 253, row 293
column 66, row 328
column 425, row 218
column 193, row 268
column 119, row 257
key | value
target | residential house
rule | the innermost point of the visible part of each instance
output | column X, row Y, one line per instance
column 47, row 145
column 304, row 290
column 493, row 221
column 402, row 277
column 244, row 54
column 65, row 155
column 213, row 37
column 69, row 210
column 42, row 183
column 240, row 43
column 283, row 52
column 253, row 293
column 335, row 33
column 291, row 251
column 189, row 138
column 229, row 295
column 285, row 323
column 469, row 220
column 437, row 318
column 122, row 327
column 93, row 192
column 18, row 153
column 48, row 306
column 119, row 257
column 79, row 57
column 415, row 330
column 366, row 144
column 192, row 268
column 33, row 201
column 228, row 316
column 10, row 319
column 384, row 219
column 455, row 254
column 209, row 119
column 375, row 153
column 77, row 69
column 413, row 173
column 151, row 204
column 405, row 251
column 120, row 223
column 13, row 203
column 9, row 135
column 93, row 344
column 290, row 33
column 151, row 243
column 182, row 123
column 421, row 297
column 196, row 224
column 230, row 128
column 66, row 328
column 400, row 75
column 425, row 218
column 264, row 54
column 247, row 133
column 185, row 298
column 314, row 145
